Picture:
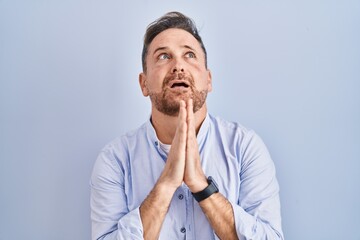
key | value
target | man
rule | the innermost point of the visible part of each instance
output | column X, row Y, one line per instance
column 183, row 174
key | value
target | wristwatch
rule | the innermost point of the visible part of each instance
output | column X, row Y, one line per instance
column 208, row 191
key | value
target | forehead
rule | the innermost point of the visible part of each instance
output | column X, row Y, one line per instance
column 172, row 38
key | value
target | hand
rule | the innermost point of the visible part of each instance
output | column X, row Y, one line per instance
column 183, row 163
column 173, row 172
column 194, row 176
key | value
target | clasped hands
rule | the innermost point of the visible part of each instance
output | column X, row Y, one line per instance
column 183, row 163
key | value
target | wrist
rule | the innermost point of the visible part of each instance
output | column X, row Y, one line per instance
column 199, row 185
column 207, row 191
column 165, row 189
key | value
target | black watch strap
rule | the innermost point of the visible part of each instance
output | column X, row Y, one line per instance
column 208, row 191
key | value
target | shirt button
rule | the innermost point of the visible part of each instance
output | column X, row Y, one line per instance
column 156, row 143
column 183, row 230
column 181, row 197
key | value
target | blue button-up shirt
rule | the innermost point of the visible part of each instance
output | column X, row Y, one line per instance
column 128, row 168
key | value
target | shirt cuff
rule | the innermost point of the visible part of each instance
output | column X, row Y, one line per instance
column 244, row 222
column 131, row 225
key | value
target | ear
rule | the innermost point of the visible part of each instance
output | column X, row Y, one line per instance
column 142, row 82
column 209, row 81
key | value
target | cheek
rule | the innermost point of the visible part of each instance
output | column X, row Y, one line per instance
column 158, row 70
column 201, row 80
column 155, row 81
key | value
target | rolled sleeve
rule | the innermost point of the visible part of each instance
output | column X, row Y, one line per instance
column 131, row 226
column 257, row 212
column 110, row 216
column 251, row 227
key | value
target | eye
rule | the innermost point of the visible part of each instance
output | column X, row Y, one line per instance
column 190, row 55
column 163, row 56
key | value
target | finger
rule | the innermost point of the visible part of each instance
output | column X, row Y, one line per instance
column 182, row 124
column 191, row 131
column 179, row 142
column 175, row 164
column 191, row 141
column 182, row 113
column 193, row 175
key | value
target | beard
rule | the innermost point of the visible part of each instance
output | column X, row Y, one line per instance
column 168, row 102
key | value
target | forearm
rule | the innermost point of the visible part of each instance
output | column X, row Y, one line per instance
column 220, row 215
column 154, row 208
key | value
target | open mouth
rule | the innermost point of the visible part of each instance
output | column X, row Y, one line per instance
column 179, row 84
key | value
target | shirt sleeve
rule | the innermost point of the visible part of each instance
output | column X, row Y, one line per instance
column 257, row 212
column 110, row 217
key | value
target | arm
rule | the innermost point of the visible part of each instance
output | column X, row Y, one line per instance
column 154, row 208
column 111, row 218
column 257, row 214
column 257, row 211
column 219, row 212
column 217, row 208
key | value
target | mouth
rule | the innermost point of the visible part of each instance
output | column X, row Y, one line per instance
column 179, row 84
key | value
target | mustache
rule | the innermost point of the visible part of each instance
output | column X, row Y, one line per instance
column 177, row 76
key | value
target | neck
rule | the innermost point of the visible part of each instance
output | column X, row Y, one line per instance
column 165, row 126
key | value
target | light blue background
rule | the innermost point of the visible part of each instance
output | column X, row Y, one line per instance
column 69, row 84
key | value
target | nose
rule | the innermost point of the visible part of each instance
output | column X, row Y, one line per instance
column 178, row 67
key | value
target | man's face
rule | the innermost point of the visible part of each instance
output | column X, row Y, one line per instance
column 176, row 71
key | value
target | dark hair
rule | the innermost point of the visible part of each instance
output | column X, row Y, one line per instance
column 170, row 20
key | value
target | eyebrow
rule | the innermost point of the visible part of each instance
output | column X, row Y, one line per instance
column 159, row 49
column 164, row 48
column 188, row 47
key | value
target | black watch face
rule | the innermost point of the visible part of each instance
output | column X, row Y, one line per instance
column 211, row 180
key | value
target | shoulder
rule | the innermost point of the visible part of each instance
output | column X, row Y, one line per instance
column 126, row 138
column 230, row 127
column 244, row 139
column 117, row 150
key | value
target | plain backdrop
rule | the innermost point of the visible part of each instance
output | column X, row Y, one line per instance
column 290, row 70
